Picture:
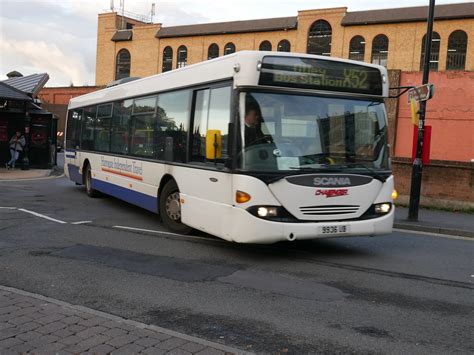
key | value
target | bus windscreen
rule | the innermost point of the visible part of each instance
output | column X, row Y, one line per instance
column 320, row 74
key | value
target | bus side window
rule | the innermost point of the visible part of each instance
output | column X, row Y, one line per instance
column 88, row 126
column 102, row 128
column 73, row 129
column 121, row 127
column 212, row 112
column 173, row 125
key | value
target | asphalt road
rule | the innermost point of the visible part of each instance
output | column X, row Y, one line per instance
column 403, row 293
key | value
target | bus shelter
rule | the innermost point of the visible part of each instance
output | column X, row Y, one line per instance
column 20, row 111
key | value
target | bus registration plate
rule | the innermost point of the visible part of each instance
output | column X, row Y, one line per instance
column 334, row 229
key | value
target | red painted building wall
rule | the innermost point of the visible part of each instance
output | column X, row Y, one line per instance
column 450, row 112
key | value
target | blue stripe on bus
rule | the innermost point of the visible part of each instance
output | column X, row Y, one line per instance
column 74, row 174
column 147, row 202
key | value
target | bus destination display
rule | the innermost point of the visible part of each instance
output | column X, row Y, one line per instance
column 320, row 74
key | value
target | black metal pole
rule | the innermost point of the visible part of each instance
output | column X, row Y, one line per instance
column 417, row 169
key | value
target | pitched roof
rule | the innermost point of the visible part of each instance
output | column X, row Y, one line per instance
column 270, row 24
column 122, row 35
column 408, row 14
column 30, row 84
column 10, row 93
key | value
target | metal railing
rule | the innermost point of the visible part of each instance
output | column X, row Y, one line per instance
column 455, row 61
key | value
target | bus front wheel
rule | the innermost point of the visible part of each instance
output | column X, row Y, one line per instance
column 170, row 208
column 88, row 182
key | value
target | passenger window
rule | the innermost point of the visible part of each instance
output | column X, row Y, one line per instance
column 102, row 128
column 143, row 127
column 173, row 125
column 88, row 126
column 120, row 131
column 73, row 130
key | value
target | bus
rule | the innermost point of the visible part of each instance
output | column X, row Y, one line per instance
column 251, row 147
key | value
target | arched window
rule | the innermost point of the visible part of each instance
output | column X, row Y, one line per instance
column 182, row 57
column 265, row 46
column 122, row 64
column 457, row 49
column 229, row 48
column 213, row 51
column 319, row 38
column 284, row 46
column 357, row 48
column 167, row 59
column 434, row 57
column 380, row 50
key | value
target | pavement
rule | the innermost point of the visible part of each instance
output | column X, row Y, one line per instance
column 31, row 323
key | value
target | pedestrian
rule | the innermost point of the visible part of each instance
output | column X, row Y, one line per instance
column 17, row 143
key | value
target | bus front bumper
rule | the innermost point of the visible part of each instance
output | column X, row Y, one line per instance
column 246, row 228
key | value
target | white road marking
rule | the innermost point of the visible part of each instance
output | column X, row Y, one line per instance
column 162, row 232
column 7, row 208
column 81, row 222
column 438, row 235
column 42, row 216
column 34, row 179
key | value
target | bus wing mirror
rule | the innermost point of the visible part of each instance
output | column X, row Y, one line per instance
column 421, row 93
column 213, row 144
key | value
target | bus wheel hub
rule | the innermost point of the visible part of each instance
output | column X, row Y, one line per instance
column 173, row 207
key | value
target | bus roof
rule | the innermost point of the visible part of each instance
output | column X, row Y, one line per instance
column 240, row 66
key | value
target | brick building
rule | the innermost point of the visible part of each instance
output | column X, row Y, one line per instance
column 391, row 37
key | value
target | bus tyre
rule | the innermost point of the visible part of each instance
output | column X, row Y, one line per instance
column 170, row 208
column 88, row 182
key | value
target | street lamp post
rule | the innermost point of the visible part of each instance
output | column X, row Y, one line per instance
column 417, row 169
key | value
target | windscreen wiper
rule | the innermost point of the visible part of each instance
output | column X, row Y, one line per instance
column 373, row 172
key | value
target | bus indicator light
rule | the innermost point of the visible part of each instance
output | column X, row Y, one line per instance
column 394, row 194
column 242, row 197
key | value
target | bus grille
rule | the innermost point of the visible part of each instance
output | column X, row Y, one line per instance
column 328, row 210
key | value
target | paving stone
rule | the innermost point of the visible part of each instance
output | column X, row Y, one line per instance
column 49, row 348
column 115, row 332
column 36, row 315
column 171, row 343
column 88, row 332
column 160, row 336
column 5, row 325
column 210, row 351
column 51, row 327
column 26, row 327
column 42, row 341
column 153, row 351
column 101, row 349
column 91, row 322
column 71, row 340
column 19, row 320
column 75, row 328
column 122, row 340
column 50, row 319
column 9, row 333
column 179, row 351
column 62, row 333
column 7, row 343
column 8, row 309
column 91, row 342
column 147, row 342
column 72, row 320
column 19, row 349
column 29, row 336
column 192, row 347
column 23, row 311
column 128, row 349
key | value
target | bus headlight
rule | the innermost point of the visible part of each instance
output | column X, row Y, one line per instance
column 383, row 208
column 267, row 212
column 272, row 213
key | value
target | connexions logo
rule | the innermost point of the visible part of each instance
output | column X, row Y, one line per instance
column 332, row 192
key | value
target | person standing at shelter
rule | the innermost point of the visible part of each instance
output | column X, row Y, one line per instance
column 17, row 143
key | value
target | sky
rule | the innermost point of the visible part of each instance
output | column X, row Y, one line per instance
column 59, row 36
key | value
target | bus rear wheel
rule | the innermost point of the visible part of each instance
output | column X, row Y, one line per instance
column 88, row 182
column 170, row 208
